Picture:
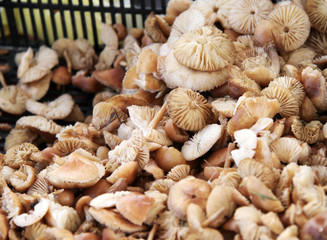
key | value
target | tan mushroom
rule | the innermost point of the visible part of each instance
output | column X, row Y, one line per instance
column 187, row 191
column 244, row 16
column 317, row 41
column 153, row 30
column 127, row 170
column 287, row 149
column 67, row 146
column 316, row 11
column 27, row 219
column 293, row 25
column 179, row 172
column 13, row 99
column 38, row 89
column 24, row 62
column 23, row 178
column 110, row 77
column 175, row 133
column 18, row 136
column 168, row 157
column 61, row 76
column 20, row 154
column 192, row 50
column 87, row 84
column 201, row 142
column 4, row 226
column 47, row 128
column 188, row 109
column 226, row 106
column 176, row 7
column 310, row 132
column 59, row 108
column 79, row 169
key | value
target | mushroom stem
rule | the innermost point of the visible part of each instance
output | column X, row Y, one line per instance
column 228, row 160
column 275, row 64
column 2, row 79
column 155, row 121
column 69, row 63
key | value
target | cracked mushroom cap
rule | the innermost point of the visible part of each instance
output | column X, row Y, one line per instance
column 309, row 133
column 205, row 49
column 289, row 105
column 317, row 12
column 20, row 154
column 245, row 15
column 177, row 75
column 201, row 142
column 188, row 109
column 293, row 25
column 47, row 128
column 12, row 99
column 59, row 108
column 80, row 169
column 27, row 219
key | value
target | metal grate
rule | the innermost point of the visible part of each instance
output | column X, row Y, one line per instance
column 26, row 23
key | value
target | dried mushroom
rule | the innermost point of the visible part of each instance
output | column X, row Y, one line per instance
column 79, row 169
column 22, row 179
column 309, row 133
column 20, row 154
column 316, row 10
column 188, row 109
column 13, row 99
column 293, row 25
column 59, row 108
column 38, row 89
column 193, row 51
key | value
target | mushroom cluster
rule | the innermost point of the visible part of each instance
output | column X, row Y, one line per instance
column 208, row 124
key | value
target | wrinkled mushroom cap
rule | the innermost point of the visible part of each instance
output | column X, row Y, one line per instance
column 20, row 154
column 12, row 99
column 188, row 109
column 309, row 133
column 22, row 179
column 80, row 169
column 244, row 16
column 293, row 25
column 204, row 49
column 201, row 142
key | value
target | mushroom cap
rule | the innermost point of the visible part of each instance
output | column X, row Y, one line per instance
column 109, row 36
column 309, row 133
column 22, row 179
column 205, row 49
column 24, row 62
column 67, row 146
column 110, row 77
column 292, row 84
column 126, row 170
column 179, row 172
column 47, row 128
column 175, row 8
column 287, row 149
column 201, row 142
column 317, row 41
column 115, row 221
column 226, row 106
column 187, row 191
column 177, row 75
column 18, row 136
column 244, row 16
column 293, row 25
column 134, row 207
column 12, row 99
column 188, row 109
column 61, row 76
column 289, row 105
column 20, row 154
column 38, row 89
column 316, row 10
column 27, row 219
column 80, row 169
column 59, row 108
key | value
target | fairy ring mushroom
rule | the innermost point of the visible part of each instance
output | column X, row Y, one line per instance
column 12, row 99
column 20, row 154
column 316, row 10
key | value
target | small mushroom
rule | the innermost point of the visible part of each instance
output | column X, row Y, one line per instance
column 4, row 226
column 317, row 14
column 168, row 157
column 293, row 32
column 38, row 89
column 153, row 30
column 61, row 76
column 315, row 228
column 201, row 142
column 310, row 132
column 27, row 219
column 13, row 99
column 79, row 169
column 185, row 192
column 188, row 109
column 317, row 41
column 20, row 154
column 23, row 178
column 111, row 78
column 287, row 149
column 87, row 84
column 127, row 170
column 179, row 172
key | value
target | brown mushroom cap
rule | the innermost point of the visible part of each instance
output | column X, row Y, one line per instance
column 244, row 16
column 310, row 133
column 316, row 10
column 188, row 109
column 80, row 169
column 12, row 99
column 61, row 76
column 204, row 49
column 293, row 25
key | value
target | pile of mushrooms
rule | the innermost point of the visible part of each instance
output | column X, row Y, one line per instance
column 208, row 124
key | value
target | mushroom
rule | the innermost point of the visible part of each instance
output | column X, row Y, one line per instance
column 59, row 108
column 33, row 216
column 168, row 157
column 188, row 109
column 201, row 142
column 287, row 149
column 23, row 178
column 20, row 154
column 12, row 99
column 293, row 25
column 226, row 106
column 87, row 84
column 79, row 169
column 153, row 30
column 315, row 228
column 192, row 50
column 67, row 146
column 61, row 76
column 317, row 14
column 187, row 191
column 245, row 15
column 317, row 41
column 310, row 133
column 24, row 62
column 4, row 226
column 175, row 133
column 47, row 128
column 179, row 172
column 175, row 8
column 38, row 89
column 126, row 170
column 110, row 77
